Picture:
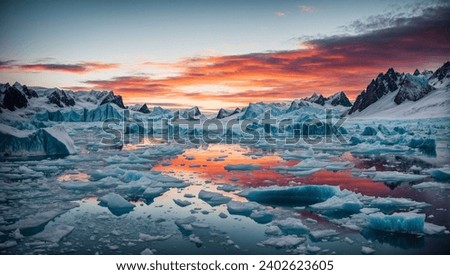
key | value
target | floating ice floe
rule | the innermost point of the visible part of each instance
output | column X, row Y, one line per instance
column 367, row 250
column 440, row 174
column 116, row 204
column 228, row 187
column 284, row 241
column 342, row 203
column 213, row 198
column 389, row 204
column 431, row 184
column 182, row 203
column 242, row 208
column 405, row 222
column 148, row 251
column 242, row 167
column 322, row 234
column 150, row 238
column 291, row 226
column 54, row 233
column 394, row 176
column 296, row 195
column 186, row 223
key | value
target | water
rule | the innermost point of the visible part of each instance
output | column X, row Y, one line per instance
column 203, row 167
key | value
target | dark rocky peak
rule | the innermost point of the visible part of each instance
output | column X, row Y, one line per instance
column 442, row 72
column 13, row 98
column 339, row 98
column 416, row 72
column 111, row 98
column 61, row 98
column 413, row 88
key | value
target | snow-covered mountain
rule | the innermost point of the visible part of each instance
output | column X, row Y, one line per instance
column 18, row 96
column 339, row 98
column 400, row 95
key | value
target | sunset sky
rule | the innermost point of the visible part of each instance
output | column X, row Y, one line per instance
column 218, row 53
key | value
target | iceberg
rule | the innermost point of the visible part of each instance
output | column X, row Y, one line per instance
column 424, row 143
column 323, row 234
column 295, row 195
column 389, row 204
column 369, row 131
column 349, row 203
column 213, row 198
column 116, row 204
column 407, row 222
column 42, row 142
column 182, row 203
column 440, row 174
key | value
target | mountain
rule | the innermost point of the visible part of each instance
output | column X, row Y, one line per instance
column 141, row 108
column 225, row 113
column 339, row 98
column 17, row 97
column 404, row 95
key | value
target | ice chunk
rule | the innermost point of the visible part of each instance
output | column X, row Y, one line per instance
column 369, row 131
column 8, row 244
column 440, row 174
column 431, row 229
column 322, row 234
column 228, row 187
column 273, row 230
column 223, row 215
column 242, row 167
column 116, row 204
column 182, row 203
column 420, row 142
column 147, row 251
column 261, row 216
column 284, row 241
column 348, row 203
column 389, row 204
column 431, row 184
column 242, row 208
column 152, row 192
column 34, row 223
column 42, row 142
column 394, row 176
column 367, row 250
column 54, row 233
column 149, row 238
column 213, row 198
column 407, row 222
column 291, row 195
column 196, row 240
column 291, row 226
column 186, row 223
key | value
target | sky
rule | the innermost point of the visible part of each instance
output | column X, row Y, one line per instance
column 216, row 54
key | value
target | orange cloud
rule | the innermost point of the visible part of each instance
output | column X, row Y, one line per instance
column 325, row 65
column 79, row 68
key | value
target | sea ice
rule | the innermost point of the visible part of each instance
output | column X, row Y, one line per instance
column 322, row 234
column 291, row 226
column 440, row 174
column 404, row 222
column 54, row 233
column 116, row 204
column 367, row 250
column 242, row 167
column 213, row 198
column 242, row 208
column 284, row 241
column 287, row 195
column 149, row 238
column 348, row 203
column 394, row 176
column 182, row 203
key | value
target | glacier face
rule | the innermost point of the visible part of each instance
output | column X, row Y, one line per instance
column 42, row 142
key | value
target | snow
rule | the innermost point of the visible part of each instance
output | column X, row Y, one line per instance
column 54, row 233
column 213, row 198
column 405, row 222
column 284, row 241
column 116, row 204
column 42, row 142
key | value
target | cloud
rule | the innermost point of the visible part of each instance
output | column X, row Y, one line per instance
column 306, row 9
column 6, row 64
column 280, row 13
column 326, row 65
column 78, row 68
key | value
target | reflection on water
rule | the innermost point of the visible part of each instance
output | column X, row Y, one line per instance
column 74, row 177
